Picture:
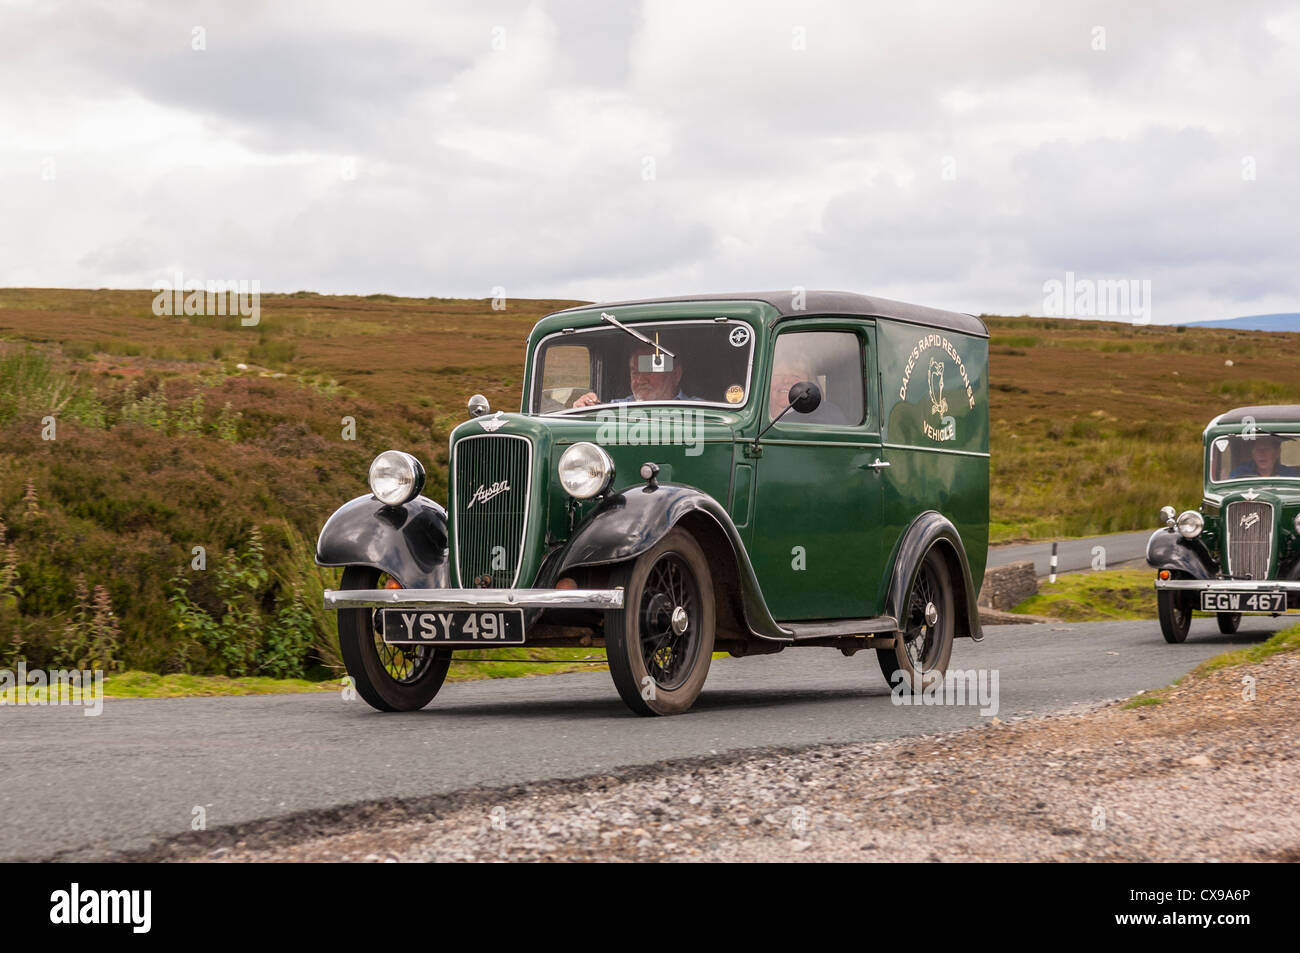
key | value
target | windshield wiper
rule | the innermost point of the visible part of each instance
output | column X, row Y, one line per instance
column 636, row 334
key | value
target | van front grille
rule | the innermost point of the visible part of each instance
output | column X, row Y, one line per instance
column 490, row 481
column 1248, row 530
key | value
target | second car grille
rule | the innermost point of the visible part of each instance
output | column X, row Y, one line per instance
column 1248, row 530
column 490, row 485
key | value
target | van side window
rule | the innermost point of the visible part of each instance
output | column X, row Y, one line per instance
column 831, row 359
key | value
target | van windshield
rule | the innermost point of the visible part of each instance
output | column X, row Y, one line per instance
column 704, row 362
column 1255, row 456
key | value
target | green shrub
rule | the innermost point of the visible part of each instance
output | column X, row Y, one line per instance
column 239, row 638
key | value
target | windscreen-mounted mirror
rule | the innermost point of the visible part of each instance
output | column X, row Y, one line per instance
column 659, row 362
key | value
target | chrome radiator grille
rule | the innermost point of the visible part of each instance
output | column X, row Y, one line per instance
column 490, row 484
column 1248, row 532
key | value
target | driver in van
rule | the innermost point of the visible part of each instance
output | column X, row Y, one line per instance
column 646, row 384
column 1265, row 460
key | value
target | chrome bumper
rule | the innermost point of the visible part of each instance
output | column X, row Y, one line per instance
column 1230, row 585
column 474, row 598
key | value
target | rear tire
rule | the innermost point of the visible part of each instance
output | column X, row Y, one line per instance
column 929, row 624
column 660, row 643
column 1229, row 622
column 1175, row 609
column 386, row 676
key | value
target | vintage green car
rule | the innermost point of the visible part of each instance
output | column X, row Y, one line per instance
column 1240, row 552
column 729, row 473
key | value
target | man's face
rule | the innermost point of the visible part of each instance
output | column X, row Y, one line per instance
column 1266, row 454
column 653, row 385
column 784, row 376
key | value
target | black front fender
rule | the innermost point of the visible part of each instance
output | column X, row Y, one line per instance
column 1166, row 549
column 928, row 530
column 625, row 525
column 408, row 542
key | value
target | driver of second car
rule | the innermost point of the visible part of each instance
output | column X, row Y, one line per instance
column 1264, row 461
column 646, row 384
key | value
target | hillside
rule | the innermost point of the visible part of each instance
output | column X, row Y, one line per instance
column 164, row 444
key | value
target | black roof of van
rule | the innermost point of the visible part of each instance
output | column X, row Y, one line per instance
column 1268, row 414
column 827, row 302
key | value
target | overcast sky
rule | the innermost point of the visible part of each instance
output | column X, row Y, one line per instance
column 955, row 154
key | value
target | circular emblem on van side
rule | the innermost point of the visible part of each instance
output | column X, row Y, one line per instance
column 735, row 394
column 739, row 336
column 939, row 425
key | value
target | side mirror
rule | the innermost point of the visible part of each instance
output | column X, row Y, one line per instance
column 805, row 397
column 478, row 405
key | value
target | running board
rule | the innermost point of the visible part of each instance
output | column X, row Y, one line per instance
column 843, row 628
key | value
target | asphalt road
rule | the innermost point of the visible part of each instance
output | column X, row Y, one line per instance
column 1073, row 555
column 79, row 788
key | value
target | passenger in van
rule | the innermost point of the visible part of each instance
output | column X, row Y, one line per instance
column 789, row 367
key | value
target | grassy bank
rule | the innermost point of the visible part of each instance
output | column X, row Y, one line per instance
column 1095, row 596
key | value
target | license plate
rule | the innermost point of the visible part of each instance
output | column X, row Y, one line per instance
column 1220, row 601
column 458, row 627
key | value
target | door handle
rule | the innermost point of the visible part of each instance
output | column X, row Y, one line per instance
column 878, row 465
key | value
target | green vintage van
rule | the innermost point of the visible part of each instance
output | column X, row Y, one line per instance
column 740, row 473
column 1239, row 553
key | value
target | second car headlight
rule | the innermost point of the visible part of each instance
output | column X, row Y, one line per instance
column 585, row 471
column 396, row 477
column 1190, row 524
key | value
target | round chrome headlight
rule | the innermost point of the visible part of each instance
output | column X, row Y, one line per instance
column 1190, row 524
column 1167, row 514
column 1296, row 523
column 396, row 477
column 585, row 471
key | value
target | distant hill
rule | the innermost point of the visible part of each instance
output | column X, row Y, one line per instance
column 1253, row 322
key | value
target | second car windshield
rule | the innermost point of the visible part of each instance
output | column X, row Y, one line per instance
column 1255, row 456
column 697, row 361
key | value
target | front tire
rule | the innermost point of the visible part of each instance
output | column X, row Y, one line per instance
column 660, row 644
column 1229, row 622
column 388, row 677
column 1175, row 610
column 923, row 647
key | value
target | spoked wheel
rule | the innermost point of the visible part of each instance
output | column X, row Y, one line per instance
column 388, row 677
column 1229, row 622
column 1175, row 611
column 928, row 626
column 660, row 644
